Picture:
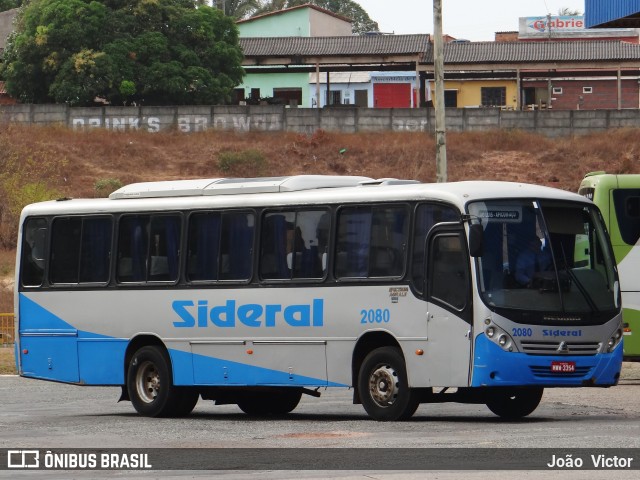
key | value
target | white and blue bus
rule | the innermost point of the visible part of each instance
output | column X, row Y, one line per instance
column 256, row 291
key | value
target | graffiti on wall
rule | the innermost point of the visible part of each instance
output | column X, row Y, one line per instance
column 184, row 123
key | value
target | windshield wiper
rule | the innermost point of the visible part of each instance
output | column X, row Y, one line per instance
column 572, row 275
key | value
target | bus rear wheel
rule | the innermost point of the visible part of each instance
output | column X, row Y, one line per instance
column 514, row 403
column 150, row 386
column 276, row 402
column 384, row 387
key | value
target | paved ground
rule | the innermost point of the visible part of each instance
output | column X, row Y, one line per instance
column 46, row 415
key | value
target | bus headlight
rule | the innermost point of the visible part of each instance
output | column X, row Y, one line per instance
column 499, row 336
column 613, row 342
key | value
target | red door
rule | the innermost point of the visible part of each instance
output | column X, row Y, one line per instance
column 392, row 95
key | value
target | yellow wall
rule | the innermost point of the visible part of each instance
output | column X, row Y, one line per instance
column 469, row 91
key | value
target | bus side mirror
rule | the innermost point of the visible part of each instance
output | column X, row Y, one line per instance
column 476, row 240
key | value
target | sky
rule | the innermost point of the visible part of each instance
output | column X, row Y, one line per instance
column 474, row 20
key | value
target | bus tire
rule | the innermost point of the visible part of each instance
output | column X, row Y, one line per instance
column 277, row 402
column 150, row 386
column 188, row 398
column 514, row 403
column 384, row 387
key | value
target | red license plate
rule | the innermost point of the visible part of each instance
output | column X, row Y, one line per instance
column 563, row 367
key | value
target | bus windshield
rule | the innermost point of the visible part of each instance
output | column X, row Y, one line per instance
column 545, row 256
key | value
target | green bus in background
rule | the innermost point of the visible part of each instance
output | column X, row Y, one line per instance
column 618, row 197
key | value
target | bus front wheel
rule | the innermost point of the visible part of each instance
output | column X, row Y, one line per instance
column 151, row 388
column 513, row 403
column 384, row 387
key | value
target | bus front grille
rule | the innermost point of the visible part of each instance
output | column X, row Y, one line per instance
column 560, row 348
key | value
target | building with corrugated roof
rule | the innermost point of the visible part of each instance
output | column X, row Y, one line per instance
column 512, row 75
column 288, row 87
column 291, row 31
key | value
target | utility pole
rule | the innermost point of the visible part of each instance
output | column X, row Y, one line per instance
column 438, row 67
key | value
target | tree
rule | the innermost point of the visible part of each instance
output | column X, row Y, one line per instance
column 348, row 8
column 155, row 52
column 237, row 8
column 9, row 4
column 568, row 12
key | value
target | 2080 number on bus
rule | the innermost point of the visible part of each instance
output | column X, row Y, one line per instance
column 378, row 315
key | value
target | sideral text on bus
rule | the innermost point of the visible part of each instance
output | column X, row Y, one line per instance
column 230, row 314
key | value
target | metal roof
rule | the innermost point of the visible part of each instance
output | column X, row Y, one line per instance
column 353, row 45
column 544, row 51
column 612, row 13
column 336, row 50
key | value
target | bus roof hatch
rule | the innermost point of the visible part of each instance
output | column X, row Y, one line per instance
column 233, row 186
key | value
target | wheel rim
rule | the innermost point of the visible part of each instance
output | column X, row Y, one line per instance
column 147, row 382
column 383, row 385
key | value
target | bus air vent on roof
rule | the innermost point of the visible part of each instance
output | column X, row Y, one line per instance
column 232, row 186
column 388, row 181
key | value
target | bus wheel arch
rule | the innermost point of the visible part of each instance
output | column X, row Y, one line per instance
column 365, row 345
column 383, row 385
column 136, row 344
column 149, row 381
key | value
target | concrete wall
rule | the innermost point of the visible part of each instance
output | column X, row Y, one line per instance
column 275, row 118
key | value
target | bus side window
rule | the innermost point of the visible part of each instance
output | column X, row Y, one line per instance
column 33, row 251
column 276, row 242
column 80, row 250
column 371, row 241
column 388, row 241
column 236, row 246
column 627, row 206
column 294, row 244
column 354, row 241
column 204, row 245
column 164, row 249
column 95, row 250
column 449, row 275
column 133, row 247
column 310, row 244
column 427, row 215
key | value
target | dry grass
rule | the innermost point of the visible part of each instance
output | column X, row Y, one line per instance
column 70, row 163
column 139, row 156
column 7, row 362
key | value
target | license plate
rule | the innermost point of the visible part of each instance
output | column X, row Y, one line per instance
column 563, row 367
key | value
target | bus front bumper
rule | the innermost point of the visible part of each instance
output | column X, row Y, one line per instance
column 494, row 367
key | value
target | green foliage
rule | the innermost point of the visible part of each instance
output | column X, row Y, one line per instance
column 106, row 186
column 127, row 88
column 246, row 163
column 154, row 52
column 24, row 180
column 237, row 8
column 9, row 4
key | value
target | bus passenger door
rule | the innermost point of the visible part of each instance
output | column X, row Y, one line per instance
column 449, row 318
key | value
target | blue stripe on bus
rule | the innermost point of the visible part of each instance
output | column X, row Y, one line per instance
column 58, row 351
column 204, row 370
column 34, row 317
column 493, row 367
